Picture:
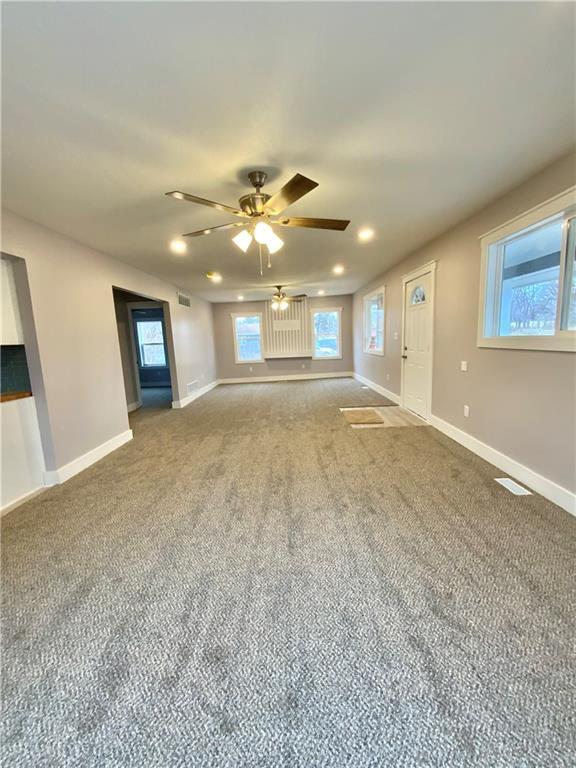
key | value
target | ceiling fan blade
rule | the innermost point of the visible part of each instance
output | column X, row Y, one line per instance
column 209, row 230
column 299, row 221
column 293, row 190
column 202, row 201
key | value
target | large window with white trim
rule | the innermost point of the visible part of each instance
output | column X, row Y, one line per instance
column 528, row 289
column 374, row 322
column 247, row 337
column 326, row 333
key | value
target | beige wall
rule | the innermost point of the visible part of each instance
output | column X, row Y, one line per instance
column 229, row 369
column 522, row 403
column 81, row 388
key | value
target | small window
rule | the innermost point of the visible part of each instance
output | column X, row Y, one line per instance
column 418, row 295
column 247, row 338
column 529, row 287
column 326, row 333
column 151, row 343
column 374, row 322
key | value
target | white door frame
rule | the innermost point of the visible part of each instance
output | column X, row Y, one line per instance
column 429, row 268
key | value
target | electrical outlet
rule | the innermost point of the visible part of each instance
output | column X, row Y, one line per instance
column 466, row 411
column 303, row 365
column 463, row 365
column 250, row 369
column 395, row 335
column 387, row 377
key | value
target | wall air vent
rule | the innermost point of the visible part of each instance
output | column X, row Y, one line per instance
column 183, row 299
column 513, row 486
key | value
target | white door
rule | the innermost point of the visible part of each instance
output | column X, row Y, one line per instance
column 417, row 351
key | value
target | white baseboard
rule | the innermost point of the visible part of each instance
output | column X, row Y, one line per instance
column 133, row 406
column 20, row 500
column 547, row 488
column 194, row 395
column 377, row 388
column 60, row 475
column 288, row 377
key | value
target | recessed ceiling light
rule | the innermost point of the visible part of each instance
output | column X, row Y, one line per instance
column 365, row 234
column 216, row 277
column 240, row 298
column 321, row 292
column 338, row 269
column 178, row 246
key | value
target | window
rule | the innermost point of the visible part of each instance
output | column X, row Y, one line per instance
column 151, row 343
column 326, row 333
column 418, row 295
column 528, row 291
column 374, row 322
column 247, row 338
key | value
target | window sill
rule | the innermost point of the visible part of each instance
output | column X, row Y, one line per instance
column 535, row 343
column 331, row 357
column 249, row 362
column 374, row 353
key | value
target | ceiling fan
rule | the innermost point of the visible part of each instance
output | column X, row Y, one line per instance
column 281, row 302
column 257, row 211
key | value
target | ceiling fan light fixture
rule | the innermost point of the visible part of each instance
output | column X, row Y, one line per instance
column 283, row 305
column 274, row 243
column 216, row 277
column 243, row 240
column 263, row 233
column 274, row 305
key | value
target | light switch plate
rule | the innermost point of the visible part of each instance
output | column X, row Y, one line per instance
column 464, row 365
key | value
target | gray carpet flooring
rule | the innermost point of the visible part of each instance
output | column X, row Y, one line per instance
column 251, row 583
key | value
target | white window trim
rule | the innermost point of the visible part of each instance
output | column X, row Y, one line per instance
column 562, row 341
column 367, row 298
column 233, row 317
column 313, row 311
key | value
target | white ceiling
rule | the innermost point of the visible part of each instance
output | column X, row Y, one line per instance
column 408, row 115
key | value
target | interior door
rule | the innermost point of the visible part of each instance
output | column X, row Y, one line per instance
column 417, row 352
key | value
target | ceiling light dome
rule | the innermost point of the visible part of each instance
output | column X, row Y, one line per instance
column 274, row 242
column 263, row 232
column 243, row 240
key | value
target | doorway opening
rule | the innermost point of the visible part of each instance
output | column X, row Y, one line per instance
column 145, row 349
column 418, row 340
column 148, row 327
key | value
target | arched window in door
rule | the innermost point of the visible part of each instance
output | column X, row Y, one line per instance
column 418, row 295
